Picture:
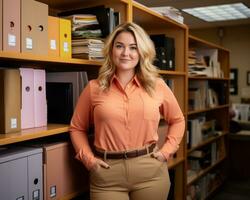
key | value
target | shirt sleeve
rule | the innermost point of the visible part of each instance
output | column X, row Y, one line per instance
column 173, row 115
column 79, row 127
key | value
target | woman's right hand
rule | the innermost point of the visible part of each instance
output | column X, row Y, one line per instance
column 99, row 163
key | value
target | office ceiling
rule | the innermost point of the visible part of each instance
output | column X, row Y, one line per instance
column 193, row 22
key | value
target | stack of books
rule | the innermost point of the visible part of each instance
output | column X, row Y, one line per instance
column 85, row 27
column 88, row 49
column 170, row 12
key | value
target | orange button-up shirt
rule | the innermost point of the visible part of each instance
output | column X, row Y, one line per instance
column 125, row 119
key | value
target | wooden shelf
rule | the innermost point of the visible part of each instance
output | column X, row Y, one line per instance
column 207, row 141
column 33, row 133
column 197, row 42
column 174, row 162
column 73, row 4
column 147, row 17
column 172, row 73
column 208, row 109
column 207, row 78
column 41, row 61
column 199, row 174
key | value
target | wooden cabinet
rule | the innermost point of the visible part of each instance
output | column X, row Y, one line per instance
column 153, row 23
column 208, row 116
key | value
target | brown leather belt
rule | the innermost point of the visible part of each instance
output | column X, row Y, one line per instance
column 126, row 154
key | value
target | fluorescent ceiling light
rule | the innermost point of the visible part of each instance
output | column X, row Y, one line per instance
column 220, row 12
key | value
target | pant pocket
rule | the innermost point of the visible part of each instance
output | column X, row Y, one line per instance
column 103, row 177
column 145, row 168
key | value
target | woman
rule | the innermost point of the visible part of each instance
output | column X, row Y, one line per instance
column 124, row 105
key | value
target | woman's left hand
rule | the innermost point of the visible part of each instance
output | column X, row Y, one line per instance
column 159, row 156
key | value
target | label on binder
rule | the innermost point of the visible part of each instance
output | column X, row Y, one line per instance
column 13, row 123
column 11, row 40
column 53, row 191
column 29, row 44
column 36, row 195
column 65, row 47
column 53, row 44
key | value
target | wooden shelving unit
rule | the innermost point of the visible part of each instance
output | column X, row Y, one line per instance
column 154, row 23
column 219, row 113
column 130, row 10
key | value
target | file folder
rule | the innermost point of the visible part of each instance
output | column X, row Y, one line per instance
column 27, row 107
column 65, row 38
column 161, row 42
column 11, row 25
column 35, row 176
column 20, row 169
column 1, row 26
column 68, row 176
column 10, row 97
column 59, row 102
column 28, row 26
column 41, row 28
column 52, row 172
column 53, row 36
column 78, row 79
column 40, row 105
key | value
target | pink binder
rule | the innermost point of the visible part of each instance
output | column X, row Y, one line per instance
column 40, row 105
column 11, row 25
column 27, row 109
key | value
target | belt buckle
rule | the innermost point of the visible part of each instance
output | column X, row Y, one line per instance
column 125, row 154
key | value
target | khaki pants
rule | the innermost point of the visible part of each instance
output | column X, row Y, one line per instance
column 140, row 178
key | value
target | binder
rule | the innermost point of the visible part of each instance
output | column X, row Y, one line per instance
column 20, row 167
column 1, row 26
column 68, row 176
column 78, row 79
column 27, row 107
column 53, row 36
column 168, row 43
column 11, row 25
column 10, row 97
column 60, row 102
column 28, row 22
column 52, row 173
column 41, row 28
column 40, row 105
column 35, row 176
column 65, row 38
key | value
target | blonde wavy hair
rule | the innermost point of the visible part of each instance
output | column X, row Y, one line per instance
column 146, row 72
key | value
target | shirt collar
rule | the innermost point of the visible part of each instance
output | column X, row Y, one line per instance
column 134, row 80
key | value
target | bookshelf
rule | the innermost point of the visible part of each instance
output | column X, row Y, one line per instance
column 154, row 24
column 207, row 116
column 129, row 10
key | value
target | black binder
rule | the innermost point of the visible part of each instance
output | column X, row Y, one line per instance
column 59, row 102
column 164, row 45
